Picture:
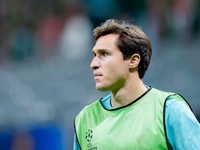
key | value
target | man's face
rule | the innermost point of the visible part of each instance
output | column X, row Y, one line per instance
column 110, row 69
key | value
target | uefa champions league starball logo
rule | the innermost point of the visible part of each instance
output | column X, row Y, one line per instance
column 89, row 135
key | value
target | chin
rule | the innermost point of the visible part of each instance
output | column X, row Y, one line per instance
column 102, row 89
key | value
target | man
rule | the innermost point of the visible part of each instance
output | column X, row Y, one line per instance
column 133, row 115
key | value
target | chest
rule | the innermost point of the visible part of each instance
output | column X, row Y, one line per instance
column 138, row 127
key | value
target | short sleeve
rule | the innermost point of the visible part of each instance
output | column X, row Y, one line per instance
column 182, row 127
column 76, row 145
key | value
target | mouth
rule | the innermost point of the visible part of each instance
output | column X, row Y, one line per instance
column 96, row 75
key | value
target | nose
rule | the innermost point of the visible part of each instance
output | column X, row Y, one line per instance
column 95, row 64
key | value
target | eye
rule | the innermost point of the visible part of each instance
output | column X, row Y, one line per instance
column 94, row 54
column 104, row 53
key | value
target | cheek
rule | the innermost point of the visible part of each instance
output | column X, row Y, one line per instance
column 115, row 68
column 116, row 73
column 119, row 68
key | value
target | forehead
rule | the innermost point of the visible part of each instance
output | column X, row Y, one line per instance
column 106, row 42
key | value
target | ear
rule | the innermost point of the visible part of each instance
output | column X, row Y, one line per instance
column 134, row 61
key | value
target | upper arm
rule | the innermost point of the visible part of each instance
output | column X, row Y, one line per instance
column 76, row 145
column 182, row 127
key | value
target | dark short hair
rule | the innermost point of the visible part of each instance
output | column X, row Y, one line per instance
column 131, row 40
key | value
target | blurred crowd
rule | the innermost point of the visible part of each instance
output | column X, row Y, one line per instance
column 45, row 53
column 44, row 28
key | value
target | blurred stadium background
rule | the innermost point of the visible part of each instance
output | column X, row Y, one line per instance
column 45, row 53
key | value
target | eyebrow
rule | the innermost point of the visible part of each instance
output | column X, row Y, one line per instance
column 100, row 50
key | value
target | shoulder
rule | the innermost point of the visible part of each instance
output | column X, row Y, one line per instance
column 161, row 93
column 171, row 98
column 178, row 108
column 90, row 107
column 177, row 102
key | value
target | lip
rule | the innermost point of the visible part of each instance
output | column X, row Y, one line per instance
column 97, row 75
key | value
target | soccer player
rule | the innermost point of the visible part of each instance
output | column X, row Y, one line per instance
column 133, row 115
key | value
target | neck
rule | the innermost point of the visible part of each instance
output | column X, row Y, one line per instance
column 128, row 93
